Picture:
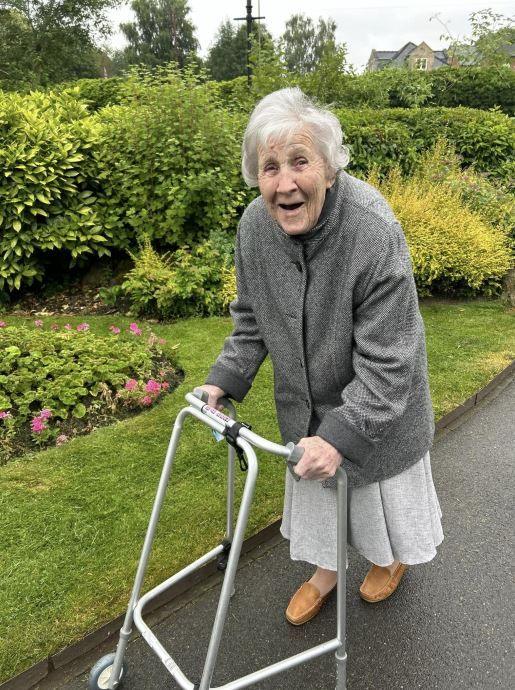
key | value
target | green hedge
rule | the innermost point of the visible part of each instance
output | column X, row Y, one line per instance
column 385, row 137
column 165, row 165
column 474, row 87
column 471, row 87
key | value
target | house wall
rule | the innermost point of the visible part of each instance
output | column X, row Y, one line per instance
column 421, row 51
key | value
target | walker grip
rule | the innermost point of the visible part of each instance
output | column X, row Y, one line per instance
column 201, row 394
column 296, row 452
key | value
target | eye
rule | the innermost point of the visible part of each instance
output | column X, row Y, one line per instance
column 269, row 168
column 300, row 162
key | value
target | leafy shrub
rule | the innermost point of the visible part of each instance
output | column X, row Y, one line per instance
column 474, row 87
column 486, row 197
column 47, row 188
column 48, row 378
column 485, row 139
column 97, row 93
column 470, row 87
column 166, row 163
column 375, row 142
column 361, row 91
column 189, row 282
column 453, row 249
column 169, row 162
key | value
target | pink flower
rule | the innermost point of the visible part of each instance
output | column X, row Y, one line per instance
column 5, row 415
column 147, row 400
column 2, row 324
column 38, row 323
column 162, row 341
column 165, row 385
column 61, row 439
column 133, row 328
column 45, row 413
column 114, row 329
column 153, row 387
column 67, row 326
column 131, row 385
column 38, row 425
column 83, row 327
column 55, row 326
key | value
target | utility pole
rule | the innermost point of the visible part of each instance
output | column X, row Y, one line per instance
column 249, row 19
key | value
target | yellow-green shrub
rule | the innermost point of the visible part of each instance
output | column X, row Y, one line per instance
column 452, row 248
column 187, row 282
column 228, row 287
column 483, row 195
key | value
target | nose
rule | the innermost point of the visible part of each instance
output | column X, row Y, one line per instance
column 286, row 183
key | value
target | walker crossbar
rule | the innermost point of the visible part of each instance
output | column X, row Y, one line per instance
column 109, row 671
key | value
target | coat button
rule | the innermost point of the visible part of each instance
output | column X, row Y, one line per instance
column 297, row 265
column 307, row 403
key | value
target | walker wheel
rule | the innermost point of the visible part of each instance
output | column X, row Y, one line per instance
column 100, row 674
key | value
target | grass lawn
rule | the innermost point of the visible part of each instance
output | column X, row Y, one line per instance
column 73, row 518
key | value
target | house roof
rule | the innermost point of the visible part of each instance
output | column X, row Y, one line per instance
column 403, row 53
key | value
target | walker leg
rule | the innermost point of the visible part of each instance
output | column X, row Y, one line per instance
column 230, row 574
column 126, row 630
column 341, row 558
column 341, row 670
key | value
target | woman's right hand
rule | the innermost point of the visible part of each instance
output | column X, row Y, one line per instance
column 214, row 393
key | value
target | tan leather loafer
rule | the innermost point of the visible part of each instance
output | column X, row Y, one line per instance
column 305, row 604
column 380, row 583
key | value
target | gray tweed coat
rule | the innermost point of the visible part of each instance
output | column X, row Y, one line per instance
column 337, row 311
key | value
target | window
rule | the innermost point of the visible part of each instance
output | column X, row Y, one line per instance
column 421, row 63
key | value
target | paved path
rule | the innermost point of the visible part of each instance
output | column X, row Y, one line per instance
column 449, row 625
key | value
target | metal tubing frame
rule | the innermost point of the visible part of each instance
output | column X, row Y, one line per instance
column 135, row 608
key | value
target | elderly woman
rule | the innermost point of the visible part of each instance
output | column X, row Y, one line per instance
column 325, row 287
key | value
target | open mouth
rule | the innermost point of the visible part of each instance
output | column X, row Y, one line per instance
column 291, row 207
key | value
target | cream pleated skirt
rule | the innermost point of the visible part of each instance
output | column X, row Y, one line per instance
column 394, row 519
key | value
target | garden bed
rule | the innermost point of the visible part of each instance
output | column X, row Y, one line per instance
column 58, row 381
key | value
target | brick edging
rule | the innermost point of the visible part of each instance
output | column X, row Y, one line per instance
column 36, row 673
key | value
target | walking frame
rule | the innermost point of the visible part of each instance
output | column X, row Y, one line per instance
column 109, row 672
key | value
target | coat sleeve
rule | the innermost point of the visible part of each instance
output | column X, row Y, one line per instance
column 388, row 330
column 244, row 350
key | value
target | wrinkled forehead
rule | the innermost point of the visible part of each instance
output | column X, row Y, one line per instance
column 286, row 141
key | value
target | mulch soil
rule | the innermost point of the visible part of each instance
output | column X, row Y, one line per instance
column 74, row 300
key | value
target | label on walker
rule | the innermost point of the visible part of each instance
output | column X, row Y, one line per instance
column 216, row 414
column 217, row 435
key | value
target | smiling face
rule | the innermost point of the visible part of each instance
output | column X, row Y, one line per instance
column 293, row 179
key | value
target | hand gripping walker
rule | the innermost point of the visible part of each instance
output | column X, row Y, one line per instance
column 108, row 673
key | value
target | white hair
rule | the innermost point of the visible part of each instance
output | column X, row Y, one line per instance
column 282, row 113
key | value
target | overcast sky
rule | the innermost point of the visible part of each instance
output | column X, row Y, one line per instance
column 379, row 24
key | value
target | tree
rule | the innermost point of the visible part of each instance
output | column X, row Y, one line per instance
column 161, row 33
column 304, row 44
column 488, row 45
column 492, row 34
column 48, row 41
column 227, row 57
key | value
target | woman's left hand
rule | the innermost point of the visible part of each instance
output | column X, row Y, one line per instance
column 320, row 459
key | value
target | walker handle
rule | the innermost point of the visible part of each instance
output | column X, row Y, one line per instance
column 295, row 455
column 295, row 452
column 203, row 395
